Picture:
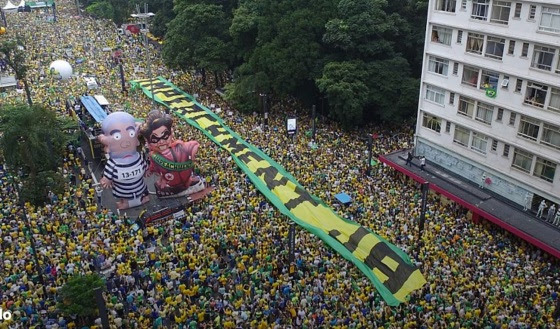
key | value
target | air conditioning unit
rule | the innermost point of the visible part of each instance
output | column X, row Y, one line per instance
column 505, row 83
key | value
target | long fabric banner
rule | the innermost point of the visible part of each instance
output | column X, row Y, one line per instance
column 388, row 267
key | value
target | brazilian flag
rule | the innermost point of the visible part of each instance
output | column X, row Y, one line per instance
column 388, row 267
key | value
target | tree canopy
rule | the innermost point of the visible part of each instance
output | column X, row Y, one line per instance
column 77, row 295
column 32, row 142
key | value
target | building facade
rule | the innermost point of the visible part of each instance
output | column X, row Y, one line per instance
column 489, row 107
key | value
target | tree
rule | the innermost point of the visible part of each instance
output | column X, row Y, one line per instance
column 344, row 83
column 14, row 55
column 101, row 9
column 33, row 141
column 197, row 38
column 77, row 296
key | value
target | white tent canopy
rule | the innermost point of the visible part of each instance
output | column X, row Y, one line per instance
column 22, row 3
column 10, row 7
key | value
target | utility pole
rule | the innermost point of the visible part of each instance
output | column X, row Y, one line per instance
column 425, row 188
column 143, row 17
column 292, row 241
column 369, row 144
column 31, row 237
column 313, row 118
column 101, row 306
column 264, row 111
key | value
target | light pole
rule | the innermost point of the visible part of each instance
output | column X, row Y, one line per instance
column 31, row 237
column 143, row 17
column 264, row 111
column 313, row 118
column 369, row 144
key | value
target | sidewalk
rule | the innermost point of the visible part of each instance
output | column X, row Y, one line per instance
column 482, row 203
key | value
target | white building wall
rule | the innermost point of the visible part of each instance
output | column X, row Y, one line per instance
column 440, row 147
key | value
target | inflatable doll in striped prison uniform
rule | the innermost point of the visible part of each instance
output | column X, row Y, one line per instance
column 125, row 168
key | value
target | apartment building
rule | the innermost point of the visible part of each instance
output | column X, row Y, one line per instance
column 489, row 107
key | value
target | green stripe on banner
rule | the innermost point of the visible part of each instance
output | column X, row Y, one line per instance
column 388, row 267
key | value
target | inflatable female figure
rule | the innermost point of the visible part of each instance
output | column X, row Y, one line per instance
column 125, row 168
column 173, row 160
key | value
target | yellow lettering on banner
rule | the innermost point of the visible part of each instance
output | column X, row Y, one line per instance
column 221, row 138
column 365, row 245
column 147, row 82
column 166, row 98
column 285, row 193
column 254, row 165
column 205, row 122
column 166, row 89
column 390, row 262
column 183, row 103
column 382, row 277
column 410, row 285
column 195, row 114
column 240, row 153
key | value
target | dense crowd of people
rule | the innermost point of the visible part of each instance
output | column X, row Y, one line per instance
column 226, row 265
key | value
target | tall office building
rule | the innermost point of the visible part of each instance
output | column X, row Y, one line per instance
column 489, row 107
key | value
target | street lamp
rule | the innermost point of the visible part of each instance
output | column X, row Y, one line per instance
column 143, row 18
column 264, row 111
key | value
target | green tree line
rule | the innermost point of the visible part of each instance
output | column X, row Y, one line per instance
column 360, row 59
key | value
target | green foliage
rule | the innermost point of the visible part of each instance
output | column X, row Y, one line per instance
column 36, row 188
column 197, row 37
column 77, row 295
column 101, row 9
column 13, row 53
column 364, row 55
column 344, row 83
column 32, row 138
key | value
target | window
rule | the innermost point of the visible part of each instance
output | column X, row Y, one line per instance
column 455, row 68
column 448, row 127
column 545, row 169
column 525, row 49
column 470, row 76
column 554, row 103
column 489, row 79
column 500, row 12
column 511, row 47
column 517, row 12
column 475, row 43
column 505, row 82
column 431, row 122
column 438, row 65
column 479, row 142
column 506, row 150
column 466, row 106
column 512, row 117
column 494, row 145
column 550, row 20
column 451, row 98
column 441, row 35
column 435, row 94
column 500, row 114
column 461, row 136
column 484, row 113
column 463, row 4
column 551, row 135
column 480, row 9
column 459, row 36
column 542, row 57
column 518, row 85
column 532, row 11
column 446, row 5
column 495, row 47
column 529, row 128
column 522, row 160
column 536, row 94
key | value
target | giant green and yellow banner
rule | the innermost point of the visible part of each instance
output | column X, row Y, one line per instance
column 388, row 267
